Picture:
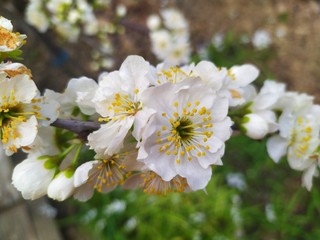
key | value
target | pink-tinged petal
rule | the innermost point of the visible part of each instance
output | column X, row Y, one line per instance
column 83, row 193
column 277, row 147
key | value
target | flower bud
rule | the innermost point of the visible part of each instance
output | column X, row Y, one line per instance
column 61, row 187
column 254, row 126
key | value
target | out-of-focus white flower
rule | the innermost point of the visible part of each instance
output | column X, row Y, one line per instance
column 254, row 126
column 171, row 42
column 9, row 40
column 299, row 135
column 293, row 102
column 187, row 132
column 299, row 139
column 153, row 22
column 36, row 16
column 121, row 10
column 116, row 206
column 173, row 19
column 217, row 41
column 131, row 224
column 118, row 101
column 281, row 32
column 236, row 180
column 61, row 187
column 270, row 213
column 161, row 43
column 179, row 52
column 68, row 31
column 33, row 176
column 261, row 39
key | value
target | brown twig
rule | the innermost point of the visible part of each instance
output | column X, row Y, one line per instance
column 81, row 128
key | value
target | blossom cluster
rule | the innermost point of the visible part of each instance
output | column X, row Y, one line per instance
column 169, row 35
column 159, row 128
column 70, row 18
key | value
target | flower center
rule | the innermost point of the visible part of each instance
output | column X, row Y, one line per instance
column 189, row 132
column 12, row 114
column 109, row 173
column 153, row 184
column 173, row 74
column 123, row 106
column 8, row 39
column 301, row 137
column 183, row 128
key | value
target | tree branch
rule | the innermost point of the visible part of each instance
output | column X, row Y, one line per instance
column 82, row 128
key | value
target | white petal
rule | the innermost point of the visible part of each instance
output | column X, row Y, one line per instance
column 61, row 187
column 141, row 119
column 109, row 138
column 31, row 178
column 5, row 23
column 244, row 74
column 308, row 175
column 196, row 176
column 220, row 109
column 81, row 174
column 277, row 147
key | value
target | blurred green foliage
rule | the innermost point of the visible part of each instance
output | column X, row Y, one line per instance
column 270, row 203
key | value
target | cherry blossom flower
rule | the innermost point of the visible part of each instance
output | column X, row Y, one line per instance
column 104, row 174
column 187, row 133
column 9, row 41
column 118, row 102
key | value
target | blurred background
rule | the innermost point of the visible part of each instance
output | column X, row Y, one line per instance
column 250, row 197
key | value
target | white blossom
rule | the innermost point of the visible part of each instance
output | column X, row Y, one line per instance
column 187, row 132
column 9, row 40
column 118, row 102
column 261, row 39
